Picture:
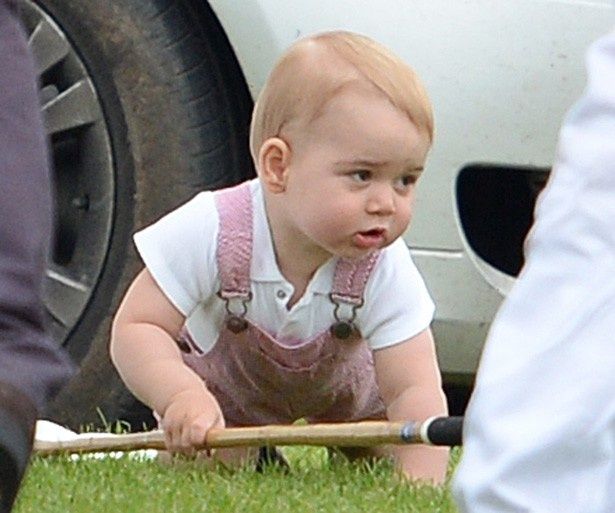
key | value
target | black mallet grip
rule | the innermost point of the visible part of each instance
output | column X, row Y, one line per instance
column 434, row 431
column 443, row 431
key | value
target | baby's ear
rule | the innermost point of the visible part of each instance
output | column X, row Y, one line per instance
column 273, row 160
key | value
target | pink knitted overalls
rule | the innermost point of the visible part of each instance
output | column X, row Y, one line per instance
column 258, row 380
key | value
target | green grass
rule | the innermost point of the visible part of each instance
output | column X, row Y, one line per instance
column 315, row 484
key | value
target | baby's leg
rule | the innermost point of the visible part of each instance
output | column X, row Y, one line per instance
column 360, row 453
column 232, row 458
column 235, row 457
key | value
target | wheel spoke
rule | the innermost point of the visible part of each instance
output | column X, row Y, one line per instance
column 65, row 297
column 81, row 151
column 73, row 108
column 49, row 46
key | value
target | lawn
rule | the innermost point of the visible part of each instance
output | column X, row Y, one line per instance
column 314, row 484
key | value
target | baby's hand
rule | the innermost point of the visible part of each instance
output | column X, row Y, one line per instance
column 187, row 419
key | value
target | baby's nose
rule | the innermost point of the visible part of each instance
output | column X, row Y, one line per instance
column 381, row 200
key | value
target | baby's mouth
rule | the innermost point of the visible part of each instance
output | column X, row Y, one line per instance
column 370, row 238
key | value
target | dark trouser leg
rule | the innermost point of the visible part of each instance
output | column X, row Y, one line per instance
column 17, row 418
column 32, row 367
column 29, row 360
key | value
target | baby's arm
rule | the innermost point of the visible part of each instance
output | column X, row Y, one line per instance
column 147, row 358
column 410, row 385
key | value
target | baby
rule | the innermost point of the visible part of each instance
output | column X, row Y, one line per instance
column 292, row 295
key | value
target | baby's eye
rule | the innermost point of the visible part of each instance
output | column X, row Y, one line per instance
column 361, row 175
column 403, row 182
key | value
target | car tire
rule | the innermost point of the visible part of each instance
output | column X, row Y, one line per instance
column 161, row 112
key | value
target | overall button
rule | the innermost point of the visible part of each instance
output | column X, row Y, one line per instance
column 183, row 345
column 281, row 294
column 236, row 324
column 341, row 329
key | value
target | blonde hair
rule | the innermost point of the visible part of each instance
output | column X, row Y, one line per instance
column 314, row 69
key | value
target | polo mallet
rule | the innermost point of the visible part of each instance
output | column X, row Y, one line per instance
column 443, row 431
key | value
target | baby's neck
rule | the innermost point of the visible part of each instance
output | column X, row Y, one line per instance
column 297, row 268
column 298, row 259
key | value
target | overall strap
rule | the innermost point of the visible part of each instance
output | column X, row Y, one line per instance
column 350, row 278
column 349, row 282
column 234, row 250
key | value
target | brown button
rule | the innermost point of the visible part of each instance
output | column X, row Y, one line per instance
column 341, row 329
column 236, row 324
column 183, row 345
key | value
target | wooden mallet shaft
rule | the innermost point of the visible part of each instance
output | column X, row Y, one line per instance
column 435, row 431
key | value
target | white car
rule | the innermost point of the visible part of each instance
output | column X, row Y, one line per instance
column 148, row 101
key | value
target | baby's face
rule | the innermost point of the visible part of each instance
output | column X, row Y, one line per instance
column 352, row 175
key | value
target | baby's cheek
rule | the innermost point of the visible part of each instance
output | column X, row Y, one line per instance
column 404, row 208
column 336, row 220
column 405, row 215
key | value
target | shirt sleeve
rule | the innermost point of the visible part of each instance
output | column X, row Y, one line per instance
column 397, row 303
column 179, row 251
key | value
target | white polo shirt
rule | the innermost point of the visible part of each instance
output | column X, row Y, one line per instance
column 180, row 252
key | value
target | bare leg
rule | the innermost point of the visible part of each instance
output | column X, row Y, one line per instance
column 232, row 458
column 360, row 453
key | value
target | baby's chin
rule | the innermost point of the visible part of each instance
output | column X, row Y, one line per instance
column 354, row 252
column 352, row 248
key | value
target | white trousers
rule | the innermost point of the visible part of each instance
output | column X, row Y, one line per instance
column 540, row 429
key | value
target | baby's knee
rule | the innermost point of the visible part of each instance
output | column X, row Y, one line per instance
column 231, row 458
column 359, row 453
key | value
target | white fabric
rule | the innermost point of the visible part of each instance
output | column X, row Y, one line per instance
column 540, row 429
column 48, row 431
column 180, row 253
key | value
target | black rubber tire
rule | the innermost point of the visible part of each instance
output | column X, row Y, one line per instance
column 178, row 111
